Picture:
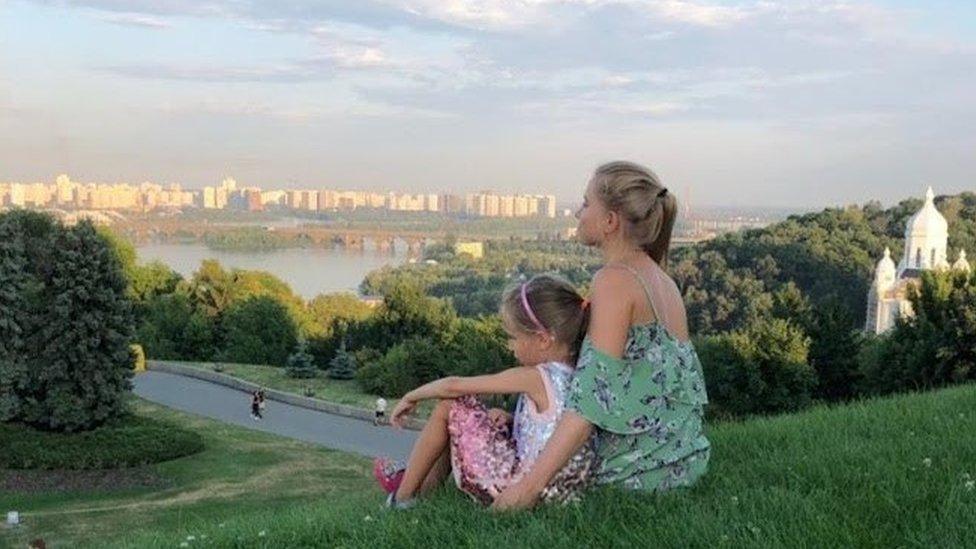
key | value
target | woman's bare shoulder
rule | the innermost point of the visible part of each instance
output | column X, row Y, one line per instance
column 612, row 277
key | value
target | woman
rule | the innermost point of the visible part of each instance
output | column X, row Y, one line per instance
column 638, row 380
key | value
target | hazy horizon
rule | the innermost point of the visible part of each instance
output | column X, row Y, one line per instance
column 795, row 105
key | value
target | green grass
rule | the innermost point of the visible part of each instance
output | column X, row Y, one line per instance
column 333, row 390
column 851, row 476
column 239, row 473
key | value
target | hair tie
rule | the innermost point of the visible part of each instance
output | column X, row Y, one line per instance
column 663, row 192
column 528, row 310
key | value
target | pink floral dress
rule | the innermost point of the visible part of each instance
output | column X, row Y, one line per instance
column 487, row 457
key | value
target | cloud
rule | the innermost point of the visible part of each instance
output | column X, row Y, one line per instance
column 707, row 15
column 220, row 73
column 282, row 112
column 135, row 20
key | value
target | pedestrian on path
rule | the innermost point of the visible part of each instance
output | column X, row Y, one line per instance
column 256, row 406
column 380, row 411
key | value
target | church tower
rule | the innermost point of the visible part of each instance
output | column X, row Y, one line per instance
column 881, row 313
column 926, row 239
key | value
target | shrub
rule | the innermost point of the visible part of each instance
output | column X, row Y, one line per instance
column 123, row 442
column 138, row 358
column 762, row 369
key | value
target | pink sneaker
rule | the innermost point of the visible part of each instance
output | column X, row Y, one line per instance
column 388, row 473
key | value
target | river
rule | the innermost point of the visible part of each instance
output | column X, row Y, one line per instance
column 309, row 271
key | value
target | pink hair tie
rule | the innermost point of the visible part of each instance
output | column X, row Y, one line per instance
column 528, row 310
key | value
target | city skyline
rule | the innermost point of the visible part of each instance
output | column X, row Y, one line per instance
column 786, row 103
column 148, row 196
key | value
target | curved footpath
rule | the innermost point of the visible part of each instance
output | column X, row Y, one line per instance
column 233, row 406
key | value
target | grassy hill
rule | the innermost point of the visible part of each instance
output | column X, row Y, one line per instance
column 893, row 472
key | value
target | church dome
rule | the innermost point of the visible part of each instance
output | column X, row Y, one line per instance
column 927, row 221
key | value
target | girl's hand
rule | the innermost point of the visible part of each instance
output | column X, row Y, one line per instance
column 515, row 497
column 403, row 408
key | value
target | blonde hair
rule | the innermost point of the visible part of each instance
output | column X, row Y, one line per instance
column 638, row 196
column 553, row 302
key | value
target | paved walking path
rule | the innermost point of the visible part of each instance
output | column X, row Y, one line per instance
column 232, row 406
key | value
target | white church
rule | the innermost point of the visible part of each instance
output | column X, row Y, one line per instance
column 926, row 240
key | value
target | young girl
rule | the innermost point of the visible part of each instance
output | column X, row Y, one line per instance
column 545, row 319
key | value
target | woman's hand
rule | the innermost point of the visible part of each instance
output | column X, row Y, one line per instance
column 403, row 408
column 515, row 497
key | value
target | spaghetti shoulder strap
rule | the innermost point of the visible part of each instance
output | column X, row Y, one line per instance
column 643, row 285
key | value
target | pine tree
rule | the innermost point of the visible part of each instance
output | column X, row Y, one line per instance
column 13, row 317
column 343, row 365
column 300, row 364
column 83, row 357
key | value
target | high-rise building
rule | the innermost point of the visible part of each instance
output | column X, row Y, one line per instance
column 452, row 203
column 252, row 199
column 547, row 205
column 65, row 188
column 209, row 198
column 521, row 207
column 506, row 206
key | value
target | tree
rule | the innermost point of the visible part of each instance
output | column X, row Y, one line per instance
column 404, row 366
column 171, row 329
column 834, row 348
column 258, row 331
column 326, row 309
column 343, row 365
column 14, row 319
column 246, row 284
column 300, row 364
column 408, row 313
column 76, row 356
column 152, row 279
column 332, row 315
column 211, row 288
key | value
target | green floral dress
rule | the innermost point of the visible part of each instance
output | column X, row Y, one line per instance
column 648, row 408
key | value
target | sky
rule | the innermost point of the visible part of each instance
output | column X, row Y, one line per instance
column 796, row 104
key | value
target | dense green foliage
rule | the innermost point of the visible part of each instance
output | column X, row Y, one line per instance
column 935, row 347
column 760, row 369
column 258, row 330
column 778, row 311
column 67, row 323
column 126, row 441
column 474, row 286
column 249, row 239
